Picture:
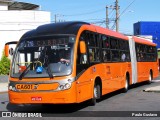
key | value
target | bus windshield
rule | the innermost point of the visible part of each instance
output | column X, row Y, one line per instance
column 43, row 57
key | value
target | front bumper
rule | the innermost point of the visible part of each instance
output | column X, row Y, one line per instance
column 40, row 96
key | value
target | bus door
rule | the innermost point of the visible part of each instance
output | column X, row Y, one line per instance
column 84, row 85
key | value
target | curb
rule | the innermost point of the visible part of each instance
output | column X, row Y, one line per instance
column 152, row 89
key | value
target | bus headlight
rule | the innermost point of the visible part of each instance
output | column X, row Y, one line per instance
column 65, row 86
column 61, row 87
column 10, row 88
column 13, row 89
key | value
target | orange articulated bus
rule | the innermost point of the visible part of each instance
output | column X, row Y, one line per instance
column 72, row 62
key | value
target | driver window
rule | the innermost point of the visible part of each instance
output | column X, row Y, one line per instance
column 82, row 58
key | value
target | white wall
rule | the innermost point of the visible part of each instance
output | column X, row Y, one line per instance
column 3, row 6
column 13, row 24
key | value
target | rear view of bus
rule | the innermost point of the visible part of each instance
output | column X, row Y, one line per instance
column 42, row 68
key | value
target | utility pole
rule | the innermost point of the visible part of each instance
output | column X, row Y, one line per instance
column 57, row 18
column 107, row 19
column 117, row 15
column 116, row 20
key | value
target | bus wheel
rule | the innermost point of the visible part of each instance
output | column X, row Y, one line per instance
column 96, row 94
column 125, row 89
column 150, row 77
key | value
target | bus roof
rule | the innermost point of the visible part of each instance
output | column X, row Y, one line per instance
column 143, row 41
column 68, row 28
column 73, row 28
column 110, row 32
column 55, row 28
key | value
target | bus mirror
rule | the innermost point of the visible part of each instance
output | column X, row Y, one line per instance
column 82, row 47
column 6, row 50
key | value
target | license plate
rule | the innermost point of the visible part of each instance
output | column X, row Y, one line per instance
column 25, row 86
column 36, row 98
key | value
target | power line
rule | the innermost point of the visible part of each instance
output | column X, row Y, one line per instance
column 126, row 8
column 84, row 13
column 111, row 12
column 100, row 19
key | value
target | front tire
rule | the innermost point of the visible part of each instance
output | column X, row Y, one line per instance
column 96, row 94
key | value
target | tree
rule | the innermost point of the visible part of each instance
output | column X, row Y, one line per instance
column 4, row 65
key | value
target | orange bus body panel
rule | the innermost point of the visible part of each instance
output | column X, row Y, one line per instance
column 38, row 97
column 143, row 68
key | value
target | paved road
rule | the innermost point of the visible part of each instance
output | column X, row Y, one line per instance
column 3, row 78
column 3, row 83
column 134, row 100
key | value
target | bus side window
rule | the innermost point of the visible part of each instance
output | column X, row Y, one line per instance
column 115, row 55
column 93, row 46
column 123, row 56
column 83, row 59
column 91, row 56
column 106, row 55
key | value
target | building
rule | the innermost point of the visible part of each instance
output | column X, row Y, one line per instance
column 16, row 18
column 148, row 29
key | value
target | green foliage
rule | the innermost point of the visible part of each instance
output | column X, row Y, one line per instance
column 4, row 65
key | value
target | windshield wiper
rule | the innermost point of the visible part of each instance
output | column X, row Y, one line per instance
column 22, row 74
column 49, row 72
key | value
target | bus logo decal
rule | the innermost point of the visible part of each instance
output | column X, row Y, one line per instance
column 94, row 69
column 108, row 70
column 35, row 87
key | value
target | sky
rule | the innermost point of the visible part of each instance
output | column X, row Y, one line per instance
column 94, row 11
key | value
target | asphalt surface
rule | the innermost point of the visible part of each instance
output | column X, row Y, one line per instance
column 3, row 83
column 3, row 79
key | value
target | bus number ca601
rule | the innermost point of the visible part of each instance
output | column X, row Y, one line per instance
column 24, row 86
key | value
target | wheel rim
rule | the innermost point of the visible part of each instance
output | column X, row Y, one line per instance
column 126, row 85
column 150, row 77
column 95, row 92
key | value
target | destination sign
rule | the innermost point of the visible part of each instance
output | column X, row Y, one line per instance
column 51, row 42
